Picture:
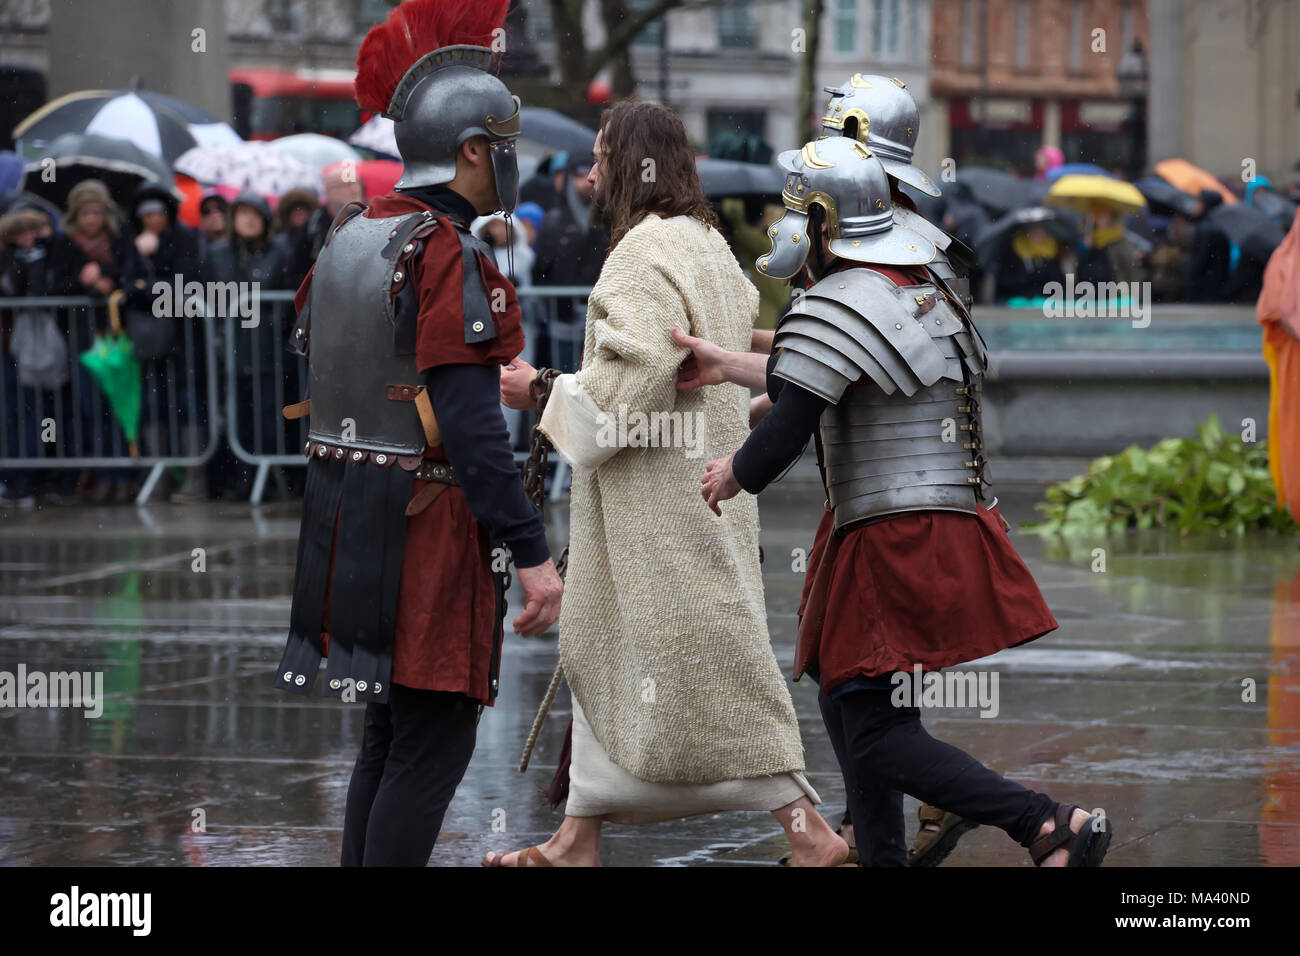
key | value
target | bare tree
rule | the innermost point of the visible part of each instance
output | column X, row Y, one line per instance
column 812, row 18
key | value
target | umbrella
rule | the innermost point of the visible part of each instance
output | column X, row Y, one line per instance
column 997, row 191
column 1273, row 204
column 314, row 150
column 1081, row 192
column 1076, row 169
column 964, row 219
column 1191, row 179
column 538, row 124
column 376, row 135
column 1164, row 198
column 72, row 157
column 159, row 124
column 111, row 363
column 253, row 166
column 729, row 177
column 1254, row 231
column 931, row 207
column 551, row 128
column 991, row 239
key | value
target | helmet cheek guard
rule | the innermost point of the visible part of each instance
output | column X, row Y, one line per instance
column 505, row 167
column 790, row 246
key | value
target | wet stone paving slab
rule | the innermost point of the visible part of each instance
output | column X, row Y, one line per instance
column 1169, row 697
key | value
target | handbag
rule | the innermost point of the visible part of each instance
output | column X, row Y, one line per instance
column 39, row 350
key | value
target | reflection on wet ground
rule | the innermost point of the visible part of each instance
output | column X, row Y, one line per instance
column 1139, row 704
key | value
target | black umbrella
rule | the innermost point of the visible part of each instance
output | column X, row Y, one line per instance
column 728, row 177
column 1254, row 231
column 1280, row 209
column 997, row 191
column 1164, row 198
column 964, row 219
column 931, row 207
column 555, row 130
column 159, row 124
column 989, row 243
column 72, row 157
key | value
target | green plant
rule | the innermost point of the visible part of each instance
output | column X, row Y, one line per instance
column 1214, row 482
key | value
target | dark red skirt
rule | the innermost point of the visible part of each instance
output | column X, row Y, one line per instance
column 934, row 588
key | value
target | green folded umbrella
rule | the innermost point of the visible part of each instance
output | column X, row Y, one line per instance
column 111, row 363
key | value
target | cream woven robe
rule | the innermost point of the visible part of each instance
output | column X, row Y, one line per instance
column 663, row 631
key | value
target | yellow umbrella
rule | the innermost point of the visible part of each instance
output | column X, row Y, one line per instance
column 1080, row 191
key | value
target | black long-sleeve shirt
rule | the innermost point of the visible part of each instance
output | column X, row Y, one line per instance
column 467, row 403
column 780, row 436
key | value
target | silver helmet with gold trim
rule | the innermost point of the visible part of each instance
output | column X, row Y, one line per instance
column 881, row 114
column 846, row 180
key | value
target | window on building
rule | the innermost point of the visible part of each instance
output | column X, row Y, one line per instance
column 968, row 31
column 1023, row 34
column 653, row 34
column 736, row 29
column 738, row 135
column 1076, row 36
column 846, row 26
column 915, row 23
column 885, row 28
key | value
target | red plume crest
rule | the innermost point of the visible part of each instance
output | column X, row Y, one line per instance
column 413, row 29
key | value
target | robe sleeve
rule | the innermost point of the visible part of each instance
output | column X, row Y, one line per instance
column 630, row 364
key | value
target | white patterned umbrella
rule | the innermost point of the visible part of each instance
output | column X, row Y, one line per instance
column 315, row 150
column 253, row 166
column 377, row 136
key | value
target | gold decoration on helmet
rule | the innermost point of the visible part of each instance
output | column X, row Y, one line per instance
column 860, row 83
column 899, row 83
column 506, row 127
column 837, row 121
column 810, row 158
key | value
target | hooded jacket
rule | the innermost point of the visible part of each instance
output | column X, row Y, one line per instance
column 177, row 252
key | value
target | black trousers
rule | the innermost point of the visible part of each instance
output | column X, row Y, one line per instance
column 414, row 752
column 884, row 752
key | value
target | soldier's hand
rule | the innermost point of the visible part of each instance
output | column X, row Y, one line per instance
column 515, row 379
column 542, row 592
column 719, row 483
column 706, row 365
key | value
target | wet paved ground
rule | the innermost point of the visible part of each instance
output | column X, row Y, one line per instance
column 1135, row 705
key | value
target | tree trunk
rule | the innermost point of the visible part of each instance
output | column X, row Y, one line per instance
column 812, row 19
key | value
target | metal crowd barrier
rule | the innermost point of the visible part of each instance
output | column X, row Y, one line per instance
column 230, row 379
column 179, row 392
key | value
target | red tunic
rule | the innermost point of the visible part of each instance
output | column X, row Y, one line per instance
column 934, row 588
column 446, row 603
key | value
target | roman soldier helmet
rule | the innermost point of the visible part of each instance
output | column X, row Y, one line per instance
column 880, row 114
column 848, row 182
column 430, row 68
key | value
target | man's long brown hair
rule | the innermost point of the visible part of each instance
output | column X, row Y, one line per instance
column 632, row 133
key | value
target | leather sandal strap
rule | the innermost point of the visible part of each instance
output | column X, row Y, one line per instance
column 534, row 854
column 929, row 815
column 1049, row 843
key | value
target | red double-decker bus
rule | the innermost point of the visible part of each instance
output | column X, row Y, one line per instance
column 269, row 103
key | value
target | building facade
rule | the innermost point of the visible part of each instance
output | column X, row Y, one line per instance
column 1012, row 75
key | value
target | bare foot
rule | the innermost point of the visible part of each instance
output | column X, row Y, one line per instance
column 829, row 850
column 1061, row 856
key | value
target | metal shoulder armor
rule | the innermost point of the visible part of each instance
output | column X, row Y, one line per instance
column 858, row 323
